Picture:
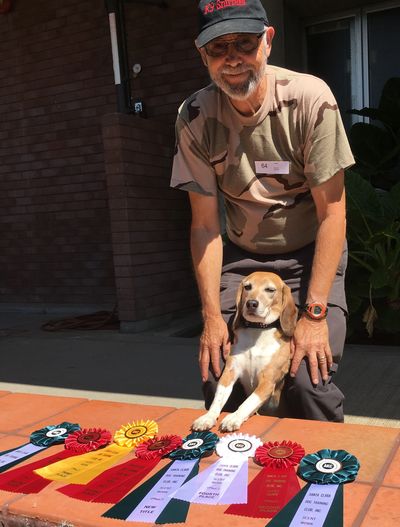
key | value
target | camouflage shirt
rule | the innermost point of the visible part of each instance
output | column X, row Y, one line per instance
column 264, row 165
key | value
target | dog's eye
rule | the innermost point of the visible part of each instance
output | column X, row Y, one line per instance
column 270, row 290
column 248, row 287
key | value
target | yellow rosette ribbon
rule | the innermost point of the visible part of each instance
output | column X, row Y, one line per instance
column 83, row 468
column 132, row 434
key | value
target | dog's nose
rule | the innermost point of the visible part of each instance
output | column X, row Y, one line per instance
column 252, row 304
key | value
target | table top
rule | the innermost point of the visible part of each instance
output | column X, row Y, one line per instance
column 372, row 500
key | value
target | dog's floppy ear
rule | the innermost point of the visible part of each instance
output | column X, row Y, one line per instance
column 288, row 318
column 238, row 313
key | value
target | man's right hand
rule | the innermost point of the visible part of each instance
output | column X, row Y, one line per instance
column 213, row 341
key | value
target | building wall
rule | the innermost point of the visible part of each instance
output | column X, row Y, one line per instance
column 69, row 234
column 275, row 13
column 57, row 239
column 149, row 224
column 162, row 42
column 55, row 85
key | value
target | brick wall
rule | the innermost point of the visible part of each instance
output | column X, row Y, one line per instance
column 57, row 244
column 55, row 84
column 149, row 222
column 162, row 41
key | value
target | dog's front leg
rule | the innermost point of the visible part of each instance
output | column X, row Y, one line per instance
column 224, row 389
column 235, row 420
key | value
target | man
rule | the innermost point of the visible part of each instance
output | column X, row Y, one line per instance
column 271, row 141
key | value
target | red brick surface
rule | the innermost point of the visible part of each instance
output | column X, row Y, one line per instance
column 372, row 500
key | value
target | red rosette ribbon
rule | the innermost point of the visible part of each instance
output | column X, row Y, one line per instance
column 158, row 447
column 87, row 440
column 277, row 482
column 282, row 454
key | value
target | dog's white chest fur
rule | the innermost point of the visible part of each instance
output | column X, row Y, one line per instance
column 252, row 352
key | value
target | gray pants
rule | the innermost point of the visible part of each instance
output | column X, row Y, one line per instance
column 300, row 398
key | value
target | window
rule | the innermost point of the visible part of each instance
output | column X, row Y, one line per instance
column 355, row 54
column 383, row 53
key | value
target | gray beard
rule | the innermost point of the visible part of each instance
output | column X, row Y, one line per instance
column 243, row 90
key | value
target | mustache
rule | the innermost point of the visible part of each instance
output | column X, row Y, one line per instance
column 229, row 70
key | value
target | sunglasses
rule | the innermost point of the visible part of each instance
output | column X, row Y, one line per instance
column 245, row 44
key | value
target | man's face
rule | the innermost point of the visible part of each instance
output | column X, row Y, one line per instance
column 237, row 71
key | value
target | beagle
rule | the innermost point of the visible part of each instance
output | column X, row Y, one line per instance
column 265, row 319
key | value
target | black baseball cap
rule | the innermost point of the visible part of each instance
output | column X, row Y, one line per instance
column 222, row 17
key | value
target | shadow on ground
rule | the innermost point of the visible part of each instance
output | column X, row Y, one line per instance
column 104, row 361
column 369, row 376
column 153, row 364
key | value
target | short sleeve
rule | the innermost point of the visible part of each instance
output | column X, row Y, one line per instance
column 191, row 170
column 326, row 149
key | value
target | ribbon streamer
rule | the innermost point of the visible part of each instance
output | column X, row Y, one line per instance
column 112, row 485
column 24, row 480
column 85, row 467
column 225, row 482
column 39, row 440
column 320, row 502
column 153, row 501
column 277, row 482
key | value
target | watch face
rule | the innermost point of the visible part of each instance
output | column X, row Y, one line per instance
column 316, row 310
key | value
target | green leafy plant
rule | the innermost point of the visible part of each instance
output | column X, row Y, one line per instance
column 373, row 219
column 376, row 147
column 373, row 278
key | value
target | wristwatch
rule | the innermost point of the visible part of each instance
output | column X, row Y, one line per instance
column 315, row 311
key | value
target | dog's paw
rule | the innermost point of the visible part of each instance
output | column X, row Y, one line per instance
column 230, row 423
column 205, row 422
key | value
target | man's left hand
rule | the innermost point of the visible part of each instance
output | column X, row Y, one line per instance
column 311, row 340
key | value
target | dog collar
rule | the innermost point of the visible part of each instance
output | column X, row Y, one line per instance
column 261, row 325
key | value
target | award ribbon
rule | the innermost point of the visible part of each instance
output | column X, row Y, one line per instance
column 112, row 485
column 83, row 468
column 88, row 439
column 39, row 440
column 225, row 481
column 26, row 481
column 153, row 501
column 277, row 482
column 320, row 502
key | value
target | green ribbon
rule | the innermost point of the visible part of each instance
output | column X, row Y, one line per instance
column 349, row 466
column 285, row 516
column 175, row 512
column 41, row 437
column 325, row 467
column 208, row 442
column 14, row 463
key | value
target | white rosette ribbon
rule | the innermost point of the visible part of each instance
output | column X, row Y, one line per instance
column 224, row 482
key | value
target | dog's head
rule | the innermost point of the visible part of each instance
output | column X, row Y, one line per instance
column 264, row 297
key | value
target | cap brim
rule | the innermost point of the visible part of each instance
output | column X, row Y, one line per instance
column 236, row 25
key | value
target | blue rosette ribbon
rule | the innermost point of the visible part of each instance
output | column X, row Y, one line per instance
column 320, row 502
column 153, row 502
column 39, row 440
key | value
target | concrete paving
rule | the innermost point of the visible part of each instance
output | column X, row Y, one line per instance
column 156, row 368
